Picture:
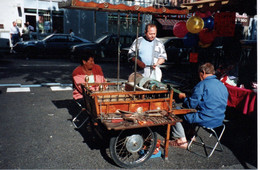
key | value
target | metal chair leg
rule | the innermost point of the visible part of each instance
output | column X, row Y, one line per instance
column 212, row 133
column 75, row 119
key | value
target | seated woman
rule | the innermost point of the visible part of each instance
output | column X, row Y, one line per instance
column 87, row 72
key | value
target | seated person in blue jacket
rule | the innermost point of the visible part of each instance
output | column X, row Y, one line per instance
column 209, row 98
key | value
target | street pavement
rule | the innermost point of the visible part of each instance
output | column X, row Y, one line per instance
column 36, row 130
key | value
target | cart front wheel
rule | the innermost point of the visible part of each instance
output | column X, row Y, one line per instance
column 131, row 148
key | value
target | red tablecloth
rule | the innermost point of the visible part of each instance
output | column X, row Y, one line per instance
column 242, row 99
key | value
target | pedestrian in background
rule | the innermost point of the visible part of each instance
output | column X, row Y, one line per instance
column 14, row 35
column 151, row 53
column 31, row 28
column 71, row 32
column 26, row 33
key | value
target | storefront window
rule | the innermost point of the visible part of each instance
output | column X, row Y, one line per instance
column 128, row 23
column 48, row 21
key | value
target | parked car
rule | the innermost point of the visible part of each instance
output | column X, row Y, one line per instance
column 4, row 46
column 174, row 47
column 54, row 44
column 105, row 47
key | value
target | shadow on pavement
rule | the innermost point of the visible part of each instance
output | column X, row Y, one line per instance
column 88, row 131
column 241, row 136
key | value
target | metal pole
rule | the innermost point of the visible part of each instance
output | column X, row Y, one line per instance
column 37, row 20
column 136, row 48
column 51, row 18
column 95, row 24
column 118, row 48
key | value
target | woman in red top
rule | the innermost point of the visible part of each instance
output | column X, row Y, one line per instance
column 88, row 72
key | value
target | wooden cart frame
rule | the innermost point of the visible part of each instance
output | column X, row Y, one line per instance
column 128, row 115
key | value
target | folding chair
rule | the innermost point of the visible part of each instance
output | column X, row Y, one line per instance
column 81, row 118
column 211, row 132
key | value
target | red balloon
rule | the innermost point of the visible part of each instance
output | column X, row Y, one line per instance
column 180, row 29
column 206, row 36
column 203, row 14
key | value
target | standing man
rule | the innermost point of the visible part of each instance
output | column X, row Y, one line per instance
column 151, row 53
column 14, row 34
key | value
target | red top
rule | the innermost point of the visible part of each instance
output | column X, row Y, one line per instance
column 79, row 78
column 242, row 99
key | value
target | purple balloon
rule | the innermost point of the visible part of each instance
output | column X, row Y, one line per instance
column 209, row 22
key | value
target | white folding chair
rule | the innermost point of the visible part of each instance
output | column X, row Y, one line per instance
column 211, row 133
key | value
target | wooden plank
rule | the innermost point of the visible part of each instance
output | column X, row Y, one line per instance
column 183, row 111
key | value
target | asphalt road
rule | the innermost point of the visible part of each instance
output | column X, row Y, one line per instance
column 36, row 130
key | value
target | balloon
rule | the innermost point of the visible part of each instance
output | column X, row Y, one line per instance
column 190, row 40
column 195, row 24
column 203, row 15
column 206, row 36
column 179, row 29
column 209, row 22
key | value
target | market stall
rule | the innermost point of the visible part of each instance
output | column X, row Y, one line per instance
column 125, row 112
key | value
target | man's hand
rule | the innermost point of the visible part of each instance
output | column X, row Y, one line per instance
column 155, row 65
column 182, row 95
column 159, row 62
column 139, row 63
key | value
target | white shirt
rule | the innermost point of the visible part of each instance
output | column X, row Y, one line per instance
column 14, row 30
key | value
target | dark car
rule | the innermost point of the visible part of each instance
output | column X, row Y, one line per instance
column 105, row 47
column 175, row 49
column 54, row 44
column 4, row 46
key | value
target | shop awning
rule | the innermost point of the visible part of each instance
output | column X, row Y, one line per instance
column 205, row 5
column 167, row 24
column 126, row 6
column 240, row 6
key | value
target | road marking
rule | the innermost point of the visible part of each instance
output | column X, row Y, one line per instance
column 26, row 88
column 18, row 89
column 59, row 88
column 50, row 84
column 32, row 85
column 9, row 85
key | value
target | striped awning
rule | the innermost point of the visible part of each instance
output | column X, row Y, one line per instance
column 127, row 6
column 167, row 24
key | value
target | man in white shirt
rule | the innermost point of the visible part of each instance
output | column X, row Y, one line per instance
column 151, row 53
column 14, row 34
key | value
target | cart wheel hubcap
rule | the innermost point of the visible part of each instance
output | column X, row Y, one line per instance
column 134, row 143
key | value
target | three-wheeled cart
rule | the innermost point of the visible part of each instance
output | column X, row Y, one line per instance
column 124, row 111
column 127, row 117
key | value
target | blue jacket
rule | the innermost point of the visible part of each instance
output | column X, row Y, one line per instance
column 210, row 99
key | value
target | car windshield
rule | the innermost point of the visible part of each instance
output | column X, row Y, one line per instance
column 100, row 39
column 47, row 37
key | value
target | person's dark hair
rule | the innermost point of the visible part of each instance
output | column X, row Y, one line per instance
column 86, row 56
column 207, row 68
column 148, row 26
